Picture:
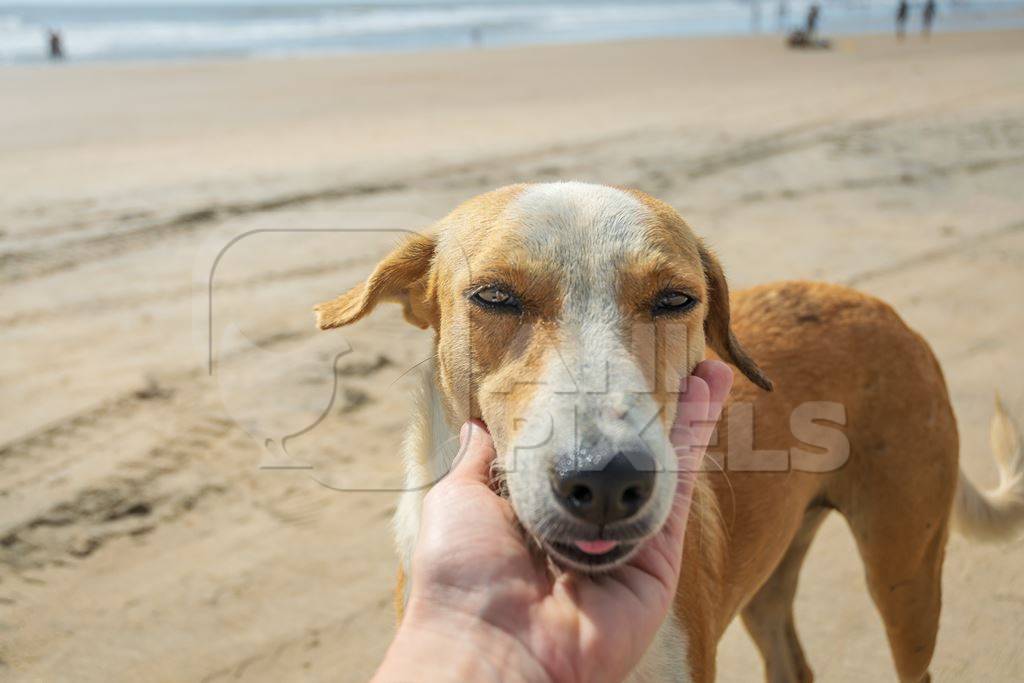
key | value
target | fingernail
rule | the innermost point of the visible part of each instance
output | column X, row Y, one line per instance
column 464, row 433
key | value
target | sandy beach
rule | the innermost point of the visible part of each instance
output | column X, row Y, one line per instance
column 143, row 535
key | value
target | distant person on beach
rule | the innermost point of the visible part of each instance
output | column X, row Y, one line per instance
column 807, row 37
column 812, row 19
column 928, row 17
column 476, row 36
column 56, row 45
column 902, row 11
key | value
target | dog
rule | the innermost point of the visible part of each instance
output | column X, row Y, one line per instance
column 564, row 315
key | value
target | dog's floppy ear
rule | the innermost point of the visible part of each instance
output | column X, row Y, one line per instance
column 717, row 330
column 402, row 277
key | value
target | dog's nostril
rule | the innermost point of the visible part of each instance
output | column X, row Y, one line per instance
column 633, row 496
column 580, row 495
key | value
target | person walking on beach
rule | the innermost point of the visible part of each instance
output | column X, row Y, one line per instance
column 812, row 19
column 902, row 11
column 56, row 45
column 928, row 17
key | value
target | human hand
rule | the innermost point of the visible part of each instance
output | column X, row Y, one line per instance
column 484, row 606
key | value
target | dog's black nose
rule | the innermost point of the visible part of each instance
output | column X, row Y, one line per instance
column 605, row 492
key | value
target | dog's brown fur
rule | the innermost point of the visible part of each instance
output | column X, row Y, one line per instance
column 828, row 343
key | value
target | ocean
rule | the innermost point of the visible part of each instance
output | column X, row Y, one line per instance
column 183, row 29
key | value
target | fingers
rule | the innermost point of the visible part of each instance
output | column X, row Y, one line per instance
column 700, row 405
column 692, row 404
column 718, row 377
column 476, row 453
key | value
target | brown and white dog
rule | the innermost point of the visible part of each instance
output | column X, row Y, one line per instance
column 564, row 315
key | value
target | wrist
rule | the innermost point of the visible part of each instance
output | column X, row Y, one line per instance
column 438, row 644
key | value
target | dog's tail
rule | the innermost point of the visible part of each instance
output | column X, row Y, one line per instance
column 996, row 515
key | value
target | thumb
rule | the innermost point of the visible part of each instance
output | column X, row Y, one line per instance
column 476, row 454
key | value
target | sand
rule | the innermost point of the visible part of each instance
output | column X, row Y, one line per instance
column 140, row 538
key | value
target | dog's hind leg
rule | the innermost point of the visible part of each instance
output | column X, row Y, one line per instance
column 769, row 614
column 902, row 554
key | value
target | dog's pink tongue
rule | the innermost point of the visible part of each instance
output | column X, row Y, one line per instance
column 596, row 547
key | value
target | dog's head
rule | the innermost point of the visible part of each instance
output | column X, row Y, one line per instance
column 565, row 315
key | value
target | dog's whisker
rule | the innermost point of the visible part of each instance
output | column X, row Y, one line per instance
column 405, row 372
column 725, row 475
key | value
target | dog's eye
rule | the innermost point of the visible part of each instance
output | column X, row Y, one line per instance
column 673, row 302
column 495, row 297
